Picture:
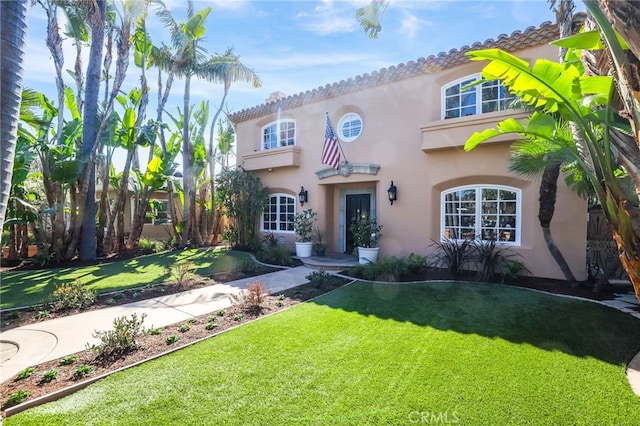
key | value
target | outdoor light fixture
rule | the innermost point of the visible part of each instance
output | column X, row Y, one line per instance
column 303, row 196
column 392, row 192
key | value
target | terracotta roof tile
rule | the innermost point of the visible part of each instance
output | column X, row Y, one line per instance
column 532, row 36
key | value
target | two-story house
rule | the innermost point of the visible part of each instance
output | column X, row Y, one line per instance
column 407, row 125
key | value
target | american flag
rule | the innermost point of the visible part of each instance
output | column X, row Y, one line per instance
column 330, row 150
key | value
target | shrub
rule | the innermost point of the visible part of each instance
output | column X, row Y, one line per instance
column 418, row 264
column 490, row 259
column 251, row 299
column 238, row 317
column 14, row 315
column 211, row 326
column 147, row 246
column 512, row 270
column 248, row 266
column 192, row 320
column 390, row 269
column 182, row 272
column 82, row 371
column 23, row 374
column 319, row 278
column 453, row 255
column 42, row 315
column 49, row 376
column 184, row 328
column 279, row 304
column 155, row 331
column 17, row 397
column 122, row 338
column 72, row 296
column 221, row 313
column 171, row 339
column 275, row 255
column 68, row 360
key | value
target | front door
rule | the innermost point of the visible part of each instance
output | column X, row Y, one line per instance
column 356, row 205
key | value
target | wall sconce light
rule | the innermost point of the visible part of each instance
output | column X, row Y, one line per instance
column 303, row 196
column 392, row 192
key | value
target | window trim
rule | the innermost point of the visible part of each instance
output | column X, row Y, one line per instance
column 279, row 141
column 295, row 210
column 517, row 242
column 341, row 123
column 478, row 89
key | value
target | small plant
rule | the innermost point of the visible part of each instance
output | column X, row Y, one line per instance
column 68, row 360
column 147, row 246
column 238, row 317
column 319, row 245
column 42, row 315
column 211, row 326
column 49, row 376
column 72, row 296
column 119, row 295
column 155, row 331
column 17, row 397
column 418, row 264
column 192, row 320
column 110, row 301
column 248, row 266
column 184, row 328
column 82, row 370
column 512, row 270
column 319, row 278
column 281, row 297
column 14, row 315
column 23, row 374
column 136, row 294
column 182, row 272
column 122, row 338
column 279, row 304
column 221, row 313
column 171, row 339
column 303, row 224
column 366, row 231
column 491, row 259
column 251, row 299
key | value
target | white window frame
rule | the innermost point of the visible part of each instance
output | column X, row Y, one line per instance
column 478, row 220
column 279, row 141
column 479, row 101
column 348, row 118
column 293, row 201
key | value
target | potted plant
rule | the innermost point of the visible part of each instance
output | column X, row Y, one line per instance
column 303, row 225
column 319, row 247
column 366, row 233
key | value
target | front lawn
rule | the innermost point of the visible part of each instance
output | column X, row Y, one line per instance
column 385, row 354
column 31, row 287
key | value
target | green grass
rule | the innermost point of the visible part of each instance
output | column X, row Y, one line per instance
column 26, row 288
column 385, row 354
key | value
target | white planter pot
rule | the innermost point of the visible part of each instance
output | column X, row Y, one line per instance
column 367, row 255
column 304, row 249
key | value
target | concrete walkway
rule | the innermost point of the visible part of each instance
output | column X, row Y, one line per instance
column 48, row 340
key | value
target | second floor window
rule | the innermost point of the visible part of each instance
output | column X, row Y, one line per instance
column 279, row 133
column 460, row 101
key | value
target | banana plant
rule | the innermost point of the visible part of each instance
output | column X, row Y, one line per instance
column 564, row 92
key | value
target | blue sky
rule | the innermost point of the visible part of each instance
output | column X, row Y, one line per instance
column 300, row 45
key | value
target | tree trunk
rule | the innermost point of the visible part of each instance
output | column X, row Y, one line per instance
column 87, row 248
column 187, row 179
column 546, row 209
column 13, row 37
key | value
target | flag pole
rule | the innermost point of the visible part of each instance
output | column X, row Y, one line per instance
column 337, row 140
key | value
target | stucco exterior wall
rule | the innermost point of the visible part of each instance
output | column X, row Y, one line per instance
column 404, row 135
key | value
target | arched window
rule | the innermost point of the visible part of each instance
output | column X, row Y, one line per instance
column 482, row 212
column 279, row 213
column 460, row 101
column 279, row 133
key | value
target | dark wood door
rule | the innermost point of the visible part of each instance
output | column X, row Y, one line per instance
column 357, row 205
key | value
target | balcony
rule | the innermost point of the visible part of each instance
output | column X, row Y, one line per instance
column 454, row 132
column 288, row 156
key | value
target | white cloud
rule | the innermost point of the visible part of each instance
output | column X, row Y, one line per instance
column 411, row 25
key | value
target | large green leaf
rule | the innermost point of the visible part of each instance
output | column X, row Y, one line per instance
column 588, row 40
column 66, row 171
column 509, row 125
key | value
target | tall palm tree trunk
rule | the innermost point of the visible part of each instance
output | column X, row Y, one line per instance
column 13, row 29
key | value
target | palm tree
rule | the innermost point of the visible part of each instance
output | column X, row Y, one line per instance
column 189, row 61
column 13, row 35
